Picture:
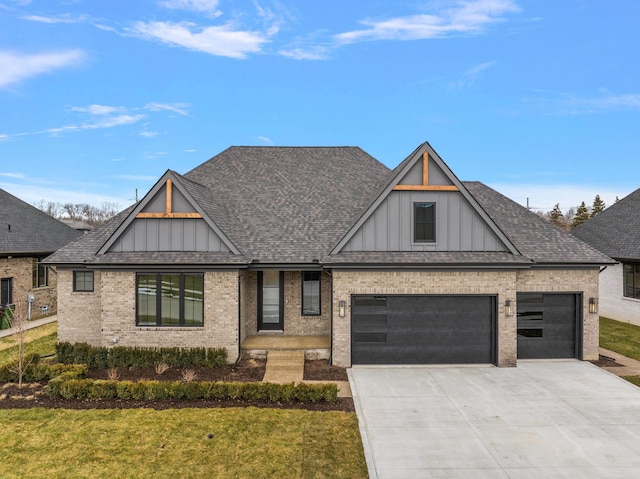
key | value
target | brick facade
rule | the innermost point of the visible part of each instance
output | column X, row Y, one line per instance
column 613, row 304
column 295, row 323
column 20, row 269
column 107, row 316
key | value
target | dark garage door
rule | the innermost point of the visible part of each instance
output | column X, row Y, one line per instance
column 422, row 329
column 547, row 325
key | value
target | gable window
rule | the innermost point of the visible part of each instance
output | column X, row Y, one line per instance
column 40, row 274
column 631, row 280
column 6, row 291
column 83, row 281
column 424, row 222
column 171, row 299
column 311, row 293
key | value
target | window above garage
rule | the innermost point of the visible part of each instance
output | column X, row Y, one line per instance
column 424, row 222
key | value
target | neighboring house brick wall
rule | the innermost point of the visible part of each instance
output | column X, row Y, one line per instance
column 612, row 303
column 79, row 314
column 21, row 270
column 346, row 283
column 571, row 281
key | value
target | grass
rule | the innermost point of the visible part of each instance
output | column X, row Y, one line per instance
column 41, row 340
column 623, row 338
column 132, row 443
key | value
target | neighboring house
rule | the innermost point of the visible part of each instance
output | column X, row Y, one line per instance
column 616, row 233
column 405, row 266
column 27, row 235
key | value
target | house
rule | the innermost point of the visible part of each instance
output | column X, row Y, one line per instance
column 27, row 236
column 616, row 233
column 405, row 266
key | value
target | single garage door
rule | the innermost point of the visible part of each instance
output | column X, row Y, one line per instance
column 422, row 329
column 548, row 325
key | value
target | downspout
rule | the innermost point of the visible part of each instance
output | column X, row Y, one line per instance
column 239, row 320
column 330, row 321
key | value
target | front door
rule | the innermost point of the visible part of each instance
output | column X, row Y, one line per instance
column 270, row 300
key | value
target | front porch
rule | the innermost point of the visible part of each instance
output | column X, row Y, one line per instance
column 314, row 347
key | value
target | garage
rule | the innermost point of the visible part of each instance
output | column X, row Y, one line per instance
column 548, row 325
column 425, row 329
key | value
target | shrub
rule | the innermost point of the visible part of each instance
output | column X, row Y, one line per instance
column 125, row 357
column 68, row 387
column 42, row 372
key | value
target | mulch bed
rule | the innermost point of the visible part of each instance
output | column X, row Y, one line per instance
column 33, row 395
column 606, row 362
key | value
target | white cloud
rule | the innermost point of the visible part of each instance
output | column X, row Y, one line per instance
column 572, row 104
column 209, row 7
column 16, row 67
column 221, row 40
column 266, row 140
column 470, row 76
column 13, row 175
column 192, row 150
column 307, row 53
column 109, row 122
column 64, row 18
column 154, row 155
column 99, row 109
column 32, row 194
column 466, row 17
column 148, row 134
column 543, row 197
column 4, row 137
column 179, row 108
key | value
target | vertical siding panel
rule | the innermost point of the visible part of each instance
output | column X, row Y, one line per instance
column 189, row 234
column 393, row 221
column 368, row 234
column 202, row 236
column 152, row 234
column 164, row 235
column 382, row 230
column 140, row 234
column 128, row 240
column 177, row 239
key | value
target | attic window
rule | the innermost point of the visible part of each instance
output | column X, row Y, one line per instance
column 424, row 222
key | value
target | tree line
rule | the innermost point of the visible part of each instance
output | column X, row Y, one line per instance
column 574, row 216
column 90, row 214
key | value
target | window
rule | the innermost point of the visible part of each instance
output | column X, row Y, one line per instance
column 40, row 274
column 311, row 293
column 632, row 280
column 175, row 299
column 424, row 222
column 6, row 291
column 83, row 281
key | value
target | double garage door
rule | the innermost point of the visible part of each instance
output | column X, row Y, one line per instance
column 432, row 329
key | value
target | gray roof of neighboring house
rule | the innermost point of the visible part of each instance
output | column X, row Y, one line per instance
column 616, row 230
column 293, row 204
column 535, row 238
column 24, row 229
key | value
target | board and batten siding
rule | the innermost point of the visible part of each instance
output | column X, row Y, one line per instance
column 458, row 226
column 169, row 234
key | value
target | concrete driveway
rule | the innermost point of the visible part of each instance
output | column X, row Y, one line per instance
column 543, row 419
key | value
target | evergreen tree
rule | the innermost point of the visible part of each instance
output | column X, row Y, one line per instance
column 598, row 206
column 556, row 217
column 581, row 216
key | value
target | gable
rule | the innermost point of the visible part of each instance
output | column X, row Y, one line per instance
column 168, row 219
column 461, row 225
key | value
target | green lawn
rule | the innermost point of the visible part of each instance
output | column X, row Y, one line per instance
column 132, row 443
column 41, row 340
column 620, row 337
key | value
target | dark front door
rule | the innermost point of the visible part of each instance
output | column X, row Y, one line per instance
column 422, row 329
column 270, row 301
column 548, row 325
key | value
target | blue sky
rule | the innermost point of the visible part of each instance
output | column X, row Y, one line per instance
column 538, row 99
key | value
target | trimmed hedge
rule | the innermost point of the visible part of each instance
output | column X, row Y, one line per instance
column 67, row 388
column 125, row 357
column 42, row 372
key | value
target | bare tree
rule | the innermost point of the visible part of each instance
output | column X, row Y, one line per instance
column 19, row 324
column 92, row 215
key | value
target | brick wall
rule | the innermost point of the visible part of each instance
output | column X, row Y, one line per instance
column 571, row 281
column 107, row 316
column 613, row 304
column 21, row 272
column 346, row 283
column 294, row 322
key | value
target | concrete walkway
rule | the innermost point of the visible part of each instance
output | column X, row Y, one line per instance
column 544, row 419
column 30, row 325
column 628, row 366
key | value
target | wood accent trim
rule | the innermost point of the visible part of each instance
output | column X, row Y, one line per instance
column 169, row 188
column 168, row 215
column 425, row 188
column 425, row 168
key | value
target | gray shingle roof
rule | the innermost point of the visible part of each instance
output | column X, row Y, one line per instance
column 534, row 237
column 616, row 230
column 293, row 204
column 31, row 230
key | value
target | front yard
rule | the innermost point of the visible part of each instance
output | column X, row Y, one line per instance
column 188, row 442
column 623, row 338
